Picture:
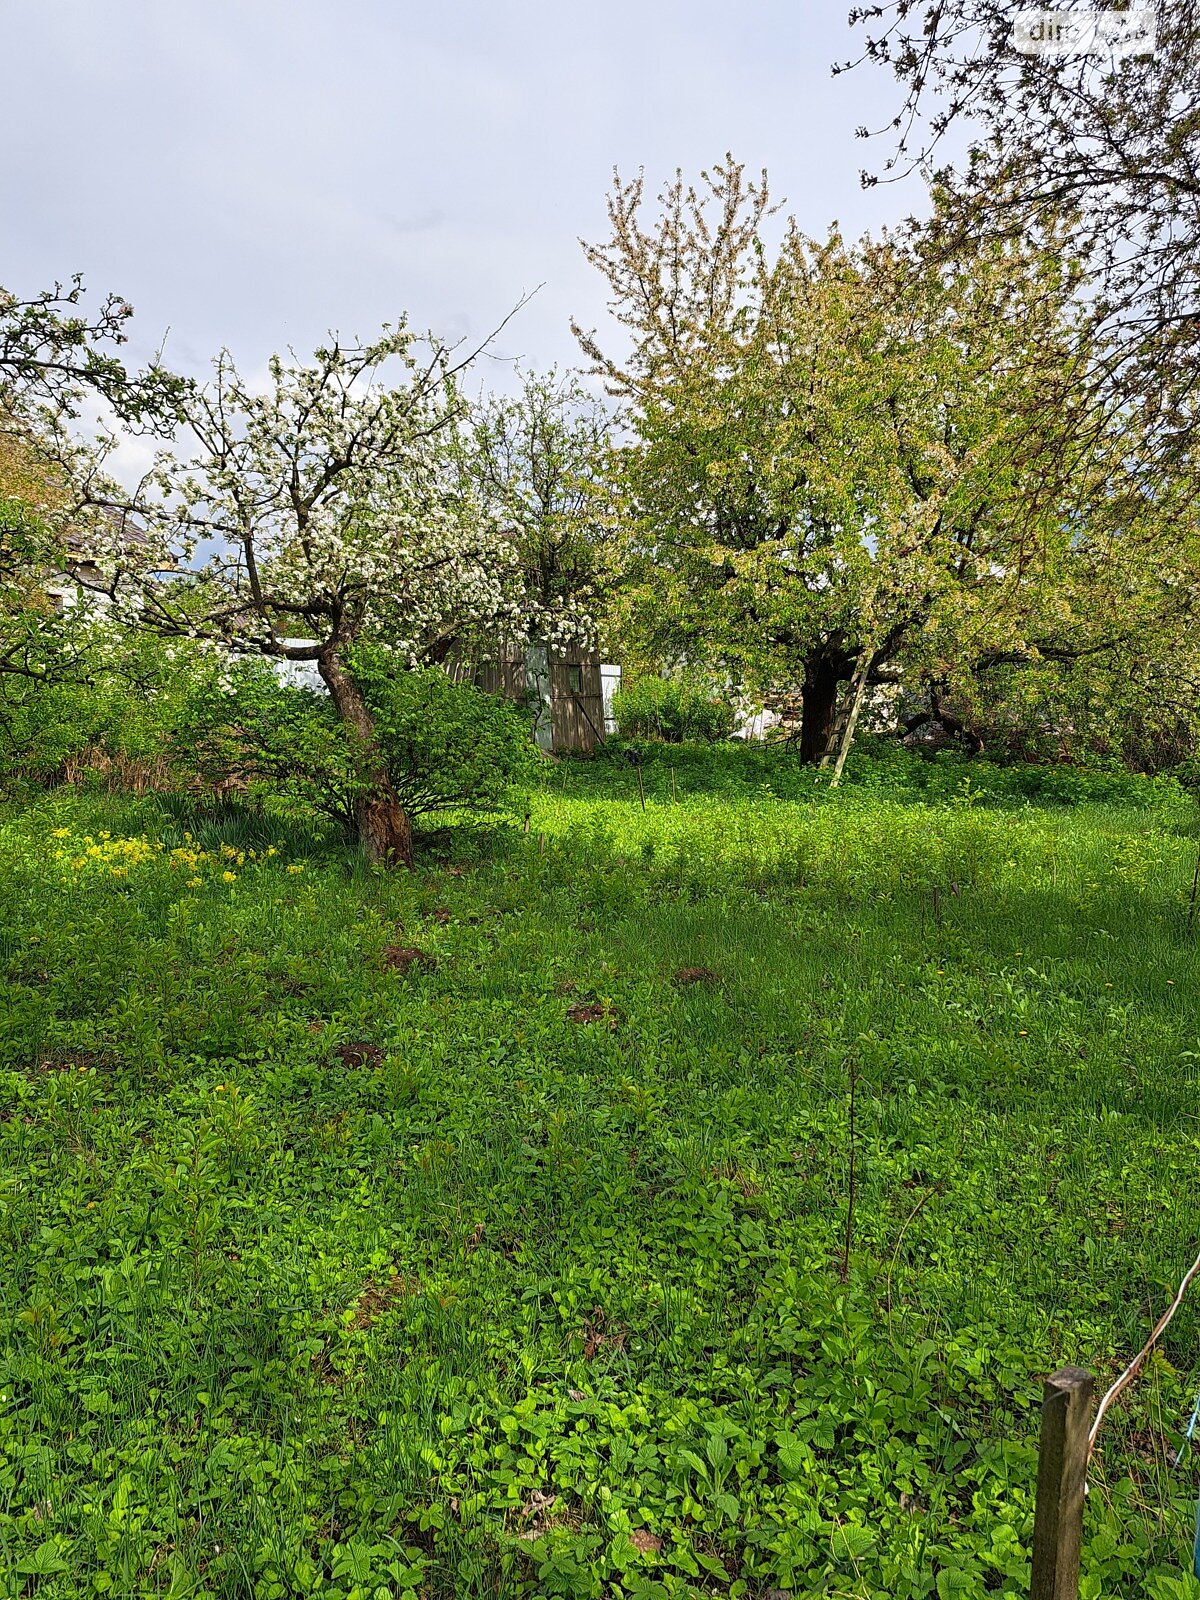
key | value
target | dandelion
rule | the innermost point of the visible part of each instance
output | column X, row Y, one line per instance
column 229, row 877
column 295, row 868
column 195, row 883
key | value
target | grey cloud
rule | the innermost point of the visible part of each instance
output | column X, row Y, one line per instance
column 253, row 173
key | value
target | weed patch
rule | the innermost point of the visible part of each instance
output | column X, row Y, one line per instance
column 318, row 1282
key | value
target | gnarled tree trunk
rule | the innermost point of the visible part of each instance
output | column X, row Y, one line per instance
column 381, row 822
column 818, row 699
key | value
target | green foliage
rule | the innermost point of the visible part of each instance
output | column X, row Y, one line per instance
column 874, row 453
column 172, row 717
column 676, row 710
column 446, row 745
column 1138, row 708
column 883, row 770
column 538, row 461
column 121, row 705
column 326, row 1279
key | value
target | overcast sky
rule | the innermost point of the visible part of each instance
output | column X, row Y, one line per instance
column 252, row 173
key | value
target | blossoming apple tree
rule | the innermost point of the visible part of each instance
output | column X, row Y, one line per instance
column 301, row 516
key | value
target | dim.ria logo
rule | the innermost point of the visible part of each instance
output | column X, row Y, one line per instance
column 1084, row 33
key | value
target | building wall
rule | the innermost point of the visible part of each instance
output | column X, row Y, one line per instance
column 610, row 682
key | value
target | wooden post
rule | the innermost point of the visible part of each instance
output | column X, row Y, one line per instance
column 1062, row 1476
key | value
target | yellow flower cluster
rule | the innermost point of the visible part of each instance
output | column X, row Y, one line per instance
column 104, row 854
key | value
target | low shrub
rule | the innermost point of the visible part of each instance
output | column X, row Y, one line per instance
column 446, row 745
column 675, row 710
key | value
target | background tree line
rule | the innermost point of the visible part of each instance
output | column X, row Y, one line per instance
column 837, row 471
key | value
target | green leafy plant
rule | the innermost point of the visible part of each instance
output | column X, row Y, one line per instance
column 677, row 710
column 516, row 1270
column 447, row 746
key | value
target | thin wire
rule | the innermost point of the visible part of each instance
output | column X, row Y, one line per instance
column 1135, row 1366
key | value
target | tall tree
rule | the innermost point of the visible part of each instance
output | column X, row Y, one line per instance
column 53, row 352
column 842, row 453
column 319, row 510
column 538, row 459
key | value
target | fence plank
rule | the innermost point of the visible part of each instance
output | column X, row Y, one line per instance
column 1062, row 1475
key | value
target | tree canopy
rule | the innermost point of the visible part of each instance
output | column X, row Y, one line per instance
column 846, row 456
column 1103, row 135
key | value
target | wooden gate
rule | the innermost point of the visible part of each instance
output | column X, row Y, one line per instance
column 576, row 700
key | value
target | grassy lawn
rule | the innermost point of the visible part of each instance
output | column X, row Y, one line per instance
column 334, row 1269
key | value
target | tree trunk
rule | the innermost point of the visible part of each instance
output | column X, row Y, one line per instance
column 818, row 699
column 381, row 822
column 954, row 726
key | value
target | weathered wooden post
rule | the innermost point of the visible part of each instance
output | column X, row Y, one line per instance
column 1061, row 1479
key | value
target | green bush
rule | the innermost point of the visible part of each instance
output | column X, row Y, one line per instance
column 675, row 710
column 107, row 705
column 446, row 745
column 140, row 713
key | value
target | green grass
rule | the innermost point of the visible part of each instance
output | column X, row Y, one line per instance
column 498, row 1303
